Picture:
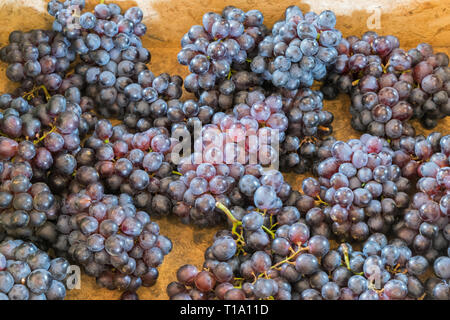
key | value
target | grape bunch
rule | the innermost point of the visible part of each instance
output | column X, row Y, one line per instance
column 300, row 49
column 121, row 162
column 227, row 149
column 290, row 264
column 27, row 273
column 204, row 185
column 247, row 140
column 111, row 239
column 382, row 270
column 27, row 209
column 425, row 225
column 48, row 136
column 308, row 125
column 221, row 46
column 363, row 58
column 113, row 65
column 389, row 85
column 380, row 100
column 403, row 266
column 405, row 99
column 45, row 136
column 128, row 90
column 229, row 92
column 44, row 161
column 253, row 261
column 359, row 190
column 431, row 74
column 95, row 36
column 37, row 57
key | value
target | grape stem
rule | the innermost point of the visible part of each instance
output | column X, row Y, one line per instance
column 308, row 140
column 385, row 67
column 272, row 225
column 288, row 259
column 347, row 261
column 319, row 202
column 228, row 213
column 326, row 129
column 374, row 288
column 238, row 283
column 6, row 136
column 44, row 135
column 346, row 258
column 269, row 232
column 30, row 95
column 396, row 269
column 236, row 223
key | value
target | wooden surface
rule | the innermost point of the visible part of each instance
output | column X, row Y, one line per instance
column 413, row 21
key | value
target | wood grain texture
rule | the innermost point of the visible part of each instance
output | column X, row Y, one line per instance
column 413, row 21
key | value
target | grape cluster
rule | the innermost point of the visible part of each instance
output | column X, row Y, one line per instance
column 361, row 58
column 399, row 261
column 27, row 273
column 93, row 35
column 37, row 139
column 111, row 239
column 46, row 136
column 382, row 270
column 220, row 47
column 389, row 85
column 27, row 209
column 290, row 264
column 113, row 64
column 360, row 190
column 425, row 224
column 203, row 186
column 431, row 74
column 248, row 136
column 101, row 231
column 128, row 90
column 229, row 92
column 252, row 261
column 308, row 125
column 37, row 57
column 300, row 49
column 121, row 162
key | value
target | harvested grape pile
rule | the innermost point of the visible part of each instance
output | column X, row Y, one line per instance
column 90, row 159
